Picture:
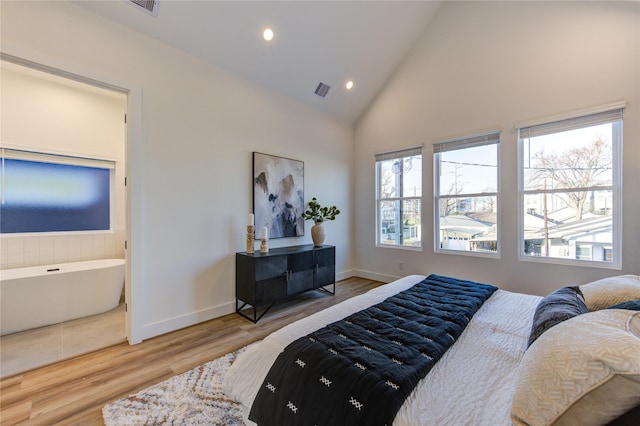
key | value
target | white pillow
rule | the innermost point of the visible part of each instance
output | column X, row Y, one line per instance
column 584, row 371
column 610, row 291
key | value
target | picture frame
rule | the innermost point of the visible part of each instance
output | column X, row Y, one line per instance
column 278, row 196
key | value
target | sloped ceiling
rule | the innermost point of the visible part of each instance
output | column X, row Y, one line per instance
column 315, row 41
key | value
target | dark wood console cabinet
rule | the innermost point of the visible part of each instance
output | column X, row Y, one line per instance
column 263, row 279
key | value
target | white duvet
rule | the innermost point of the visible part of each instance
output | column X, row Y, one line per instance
column 472, row 384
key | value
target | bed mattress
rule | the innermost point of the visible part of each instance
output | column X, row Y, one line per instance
column 471, row 384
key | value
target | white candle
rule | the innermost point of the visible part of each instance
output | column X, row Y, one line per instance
column 250, row 219
column 264, row 232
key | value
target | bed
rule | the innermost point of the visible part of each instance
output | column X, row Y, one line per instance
column 493, row 374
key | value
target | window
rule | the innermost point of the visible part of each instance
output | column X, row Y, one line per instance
column 466, row 194
column 53, row 193
column 569, row 184
column 399, row 198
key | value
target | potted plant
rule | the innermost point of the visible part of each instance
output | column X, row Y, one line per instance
column 319, row 214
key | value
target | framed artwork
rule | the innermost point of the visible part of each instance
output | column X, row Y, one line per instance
column 278, row 196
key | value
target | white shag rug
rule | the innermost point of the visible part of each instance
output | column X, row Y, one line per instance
column 191, row 398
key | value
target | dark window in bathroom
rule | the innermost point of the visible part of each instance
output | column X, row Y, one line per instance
column 53, row 197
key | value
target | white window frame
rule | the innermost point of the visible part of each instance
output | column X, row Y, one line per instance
column 607, row 114
column 389, row 155
column 489, row 138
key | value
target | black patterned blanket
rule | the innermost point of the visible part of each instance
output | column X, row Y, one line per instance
column 360, row 370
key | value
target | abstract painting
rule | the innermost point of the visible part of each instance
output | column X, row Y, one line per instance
column 278, row 196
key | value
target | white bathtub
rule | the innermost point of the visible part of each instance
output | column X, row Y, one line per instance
column 42, row 295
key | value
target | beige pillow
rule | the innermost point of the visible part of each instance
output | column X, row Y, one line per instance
column 610, row 291
column 583, row 371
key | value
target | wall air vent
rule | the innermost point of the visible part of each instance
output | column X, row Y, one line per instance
column 149, row 6
column 322, row 89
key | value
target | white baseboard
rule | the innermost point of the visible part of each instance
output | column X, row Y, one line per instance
column 367, row 275
column 172, row 324
column 374, row 276
column 345, row 275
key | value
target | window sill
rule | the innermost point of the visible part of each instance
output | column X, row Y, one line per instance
column 495, row 255
column 570, row 262
column 390, row 246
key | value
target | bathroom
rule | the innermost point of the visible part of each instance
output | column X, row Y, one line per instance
column 50, row 118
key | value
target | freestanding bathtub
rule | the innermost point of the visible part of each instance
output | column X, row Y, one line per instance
column 42, row 295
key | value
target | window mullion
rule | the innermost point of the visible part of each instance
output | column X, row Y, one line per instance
column 471, row 195
column 565, row 190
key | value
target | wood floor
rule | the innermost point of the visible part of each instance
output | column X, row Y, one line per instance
column 73, row 392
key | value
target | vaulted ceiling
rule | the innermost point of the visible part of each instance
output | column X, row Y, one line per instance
column 314, row 41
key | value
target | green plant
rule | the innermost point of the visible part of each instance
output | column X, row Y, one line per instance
column 319, row 214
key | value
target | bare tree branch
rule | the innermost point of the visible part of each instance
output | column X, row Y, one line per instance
column 575, row 168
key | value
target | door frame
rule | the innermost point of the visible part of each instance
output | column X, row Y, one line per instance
column 134, row 279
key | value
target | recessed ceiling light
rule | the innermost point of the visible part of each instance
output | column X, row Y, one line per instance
column 268, row 34
column 349, row 85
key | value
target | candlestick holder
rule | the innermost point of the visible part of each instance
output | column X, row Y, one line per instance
column 264, row 245
column 250, row 238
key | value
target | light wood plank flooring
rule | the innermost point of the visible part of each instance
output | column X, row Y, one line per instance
column 73, row 392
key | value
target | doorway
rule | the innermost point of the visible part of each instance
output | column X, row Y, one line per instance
column 58, row 114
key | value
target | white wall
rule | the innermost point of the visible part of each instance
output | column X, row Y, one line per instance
column 484, row 66
column 53, row 115
column 198, row 127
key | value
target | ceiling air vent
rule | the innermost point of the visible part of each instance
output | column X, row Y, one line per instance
column 322, row 89
column 149, row 6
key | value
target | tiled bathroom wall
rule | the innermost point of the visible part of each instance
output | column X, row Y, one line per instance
column 33, row 250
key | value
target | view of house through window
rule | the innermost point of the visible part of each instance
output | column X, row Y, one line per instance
column 52, row 193
column 569, row 184
column 399, row 198
column 466, row 194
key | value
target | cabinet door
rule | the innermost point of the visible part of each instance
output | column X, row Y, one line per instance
column 325, row 266
column 271, row 278
column 270, row 267
column 300, row 266
column 271, row 289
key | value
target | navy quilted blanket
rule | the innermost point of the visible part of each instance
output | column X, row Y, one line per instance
column 360, row 370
